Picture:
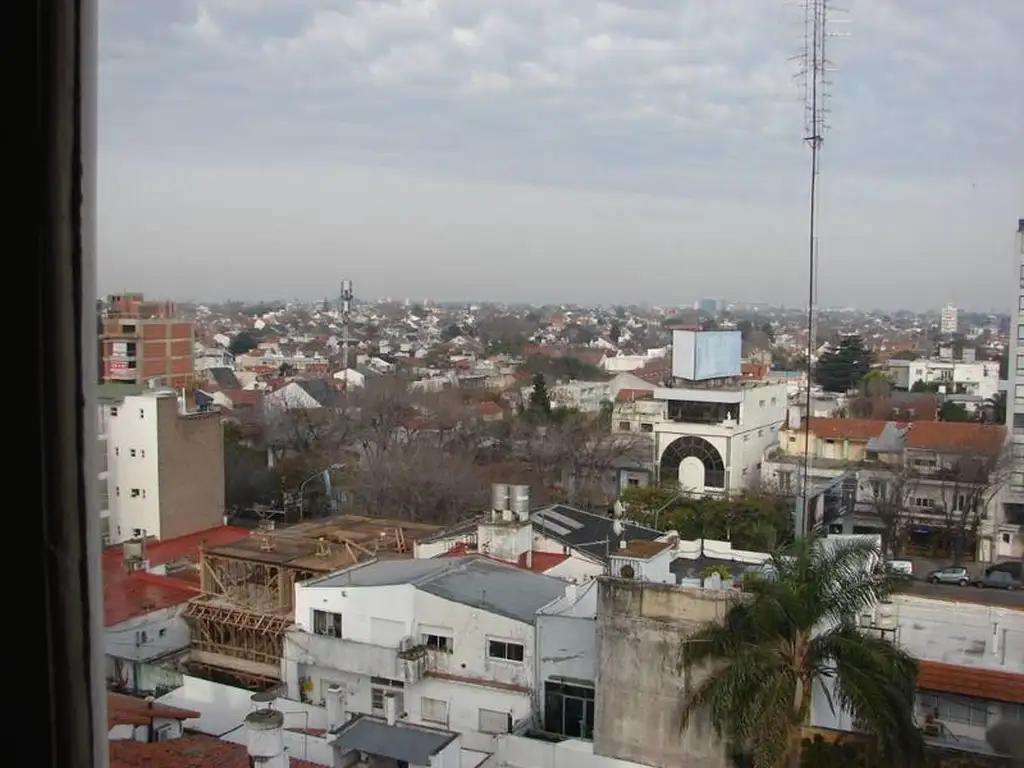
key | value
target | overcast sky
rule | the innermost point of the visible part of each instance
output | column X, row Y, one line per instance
column 557, row 150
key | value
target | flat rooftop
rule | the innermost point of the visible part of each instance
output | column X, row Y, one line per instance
column 328, row 544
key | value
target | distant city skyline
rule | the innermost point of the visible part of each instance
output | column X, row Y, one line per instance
column 528, row 150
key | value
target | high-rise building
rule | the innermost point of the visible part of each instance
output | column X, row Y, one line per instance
column 1008, row 543
column 948, row 321
column 146, row 343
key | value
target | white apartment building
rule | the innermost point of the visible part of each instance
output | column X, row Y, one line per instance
column 162, row 470
column 711, row 427
column 1013, row 506
column 446, row 643
column 948, row 319
column 584, row 396
column 976, row 379
column 971, row 665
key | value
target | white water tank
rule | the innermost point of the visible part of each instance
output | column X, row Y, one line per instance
column 335, row 700
column 264, row 730
column 521, row 502
column 499, row 499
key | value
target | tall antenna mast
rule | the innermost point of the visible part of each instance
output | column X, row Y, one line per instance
column 814, row 69
column 346, row 308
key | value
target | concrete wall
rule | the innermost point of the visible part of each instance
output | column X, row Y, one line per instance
column 133, row 477
column 191, row 466
column 640, row 685
column 521, row 752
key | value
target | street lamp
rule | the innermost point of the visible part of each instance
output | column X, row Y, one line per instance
column 314, row 476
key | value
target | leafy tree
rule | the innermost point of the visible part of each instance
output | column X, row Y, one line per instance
column 950, row 411
column 841, row 369
column 876, row 384
column 243, row 341
column 451, row 332
column 540, row 399
column 921, row 386
column 614, row 332
column 796, row 627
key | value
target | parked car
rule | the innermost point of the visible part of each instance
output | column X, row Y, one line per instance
column 1012, row 567
column 951, row 574
column 998, row 580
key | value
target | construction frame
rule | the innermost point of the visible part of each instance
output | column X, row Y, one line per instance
column 246, row 604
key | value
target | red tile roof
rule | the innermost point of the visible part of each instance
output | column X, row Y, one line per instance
column 488, row 408
column 955, row 436
column 191, row 751
column 629, row 395
column 242, row 396
column 541, row 562
column 127, row 594
column 858, row 430
column 980, row 683
column 128, row 710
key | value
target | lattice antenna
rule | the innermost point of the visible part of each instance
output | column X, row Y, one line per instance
column 346, row 308
column 814, row 70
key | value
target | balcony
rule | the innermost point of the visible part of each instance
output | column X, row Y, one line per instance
column 409, row 666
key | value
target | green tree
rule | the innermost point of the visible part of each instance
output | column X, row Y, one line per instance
column 950, row 411
column 614, row 332
column 243, row 341
column 840, row 369
column 795, row 627
column 920, row 387
column 540, row 399
column 451, row 332
column 876, row 383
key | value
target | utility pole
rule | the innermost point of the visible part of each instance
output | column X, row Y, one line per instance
column 346, row 308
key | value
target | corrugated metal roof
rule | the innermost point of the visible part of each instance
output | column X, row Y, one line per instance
column 405, row 743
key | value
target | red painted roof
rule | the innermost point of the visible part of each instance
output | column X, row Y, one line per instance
column 193, row 751
column 541, row 562
column 629, row 395
column 127, row 594
column 128, row 710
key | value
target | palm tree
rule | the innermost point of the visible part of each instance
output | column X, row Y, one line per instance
column 796, row 626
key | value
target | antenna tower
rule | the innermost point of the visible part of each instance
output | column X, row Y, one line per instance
column 813, row 73
column 346, row 308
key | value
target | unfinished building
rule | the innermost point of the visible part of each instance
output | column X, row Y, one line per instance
column 239, row 620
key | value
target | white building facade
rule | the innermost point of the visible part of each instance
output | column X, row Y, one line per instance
column 973, row 378
column 449, row 641
column 948, row 319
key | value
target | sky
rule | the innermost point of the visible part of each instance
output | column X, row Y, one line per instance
column 587, row 151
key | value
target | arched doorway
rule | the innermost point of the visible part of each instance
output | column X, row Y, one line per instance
column 693, row 462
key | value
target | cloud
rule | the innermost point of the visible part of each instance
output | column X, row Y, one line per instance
column 679, row 98
column 614, row 90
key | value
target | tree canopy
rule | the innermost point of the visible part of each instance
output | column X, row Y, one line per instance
column 797, row 626
column 841, row 368
column 540, row 398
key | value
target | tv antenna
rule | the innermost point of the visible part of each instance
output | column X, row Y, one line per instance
column 813, row 73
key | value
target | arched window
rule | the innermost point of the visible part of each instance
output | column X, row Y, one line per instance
column 684, row 447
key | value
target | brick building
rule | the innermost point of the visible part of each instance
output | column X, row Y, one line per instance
column 146, row 342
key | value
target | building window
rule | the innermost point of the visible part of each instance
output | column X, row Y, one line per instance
column 623, row 426
column 760, row 403
column 438, row 643
column 1020, row 303
column 132, row 453
column 633, row 482
column 113, row 410
column 956, row 709
column 142, row 453
column 136, row 493
column 922, row 502
column 1017, row 479
column 505, row 651
column 1020, row 364
column 380, row 687
column 569, row 710
column 492, row 721
column 117, row 451
column 433, row 710
column 117, row 492
column 646, row 427
column 1020, row 332
column 142, row 414
column 326, row 623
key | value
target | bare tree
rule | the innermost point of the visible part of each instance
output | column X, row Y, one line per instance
column 890, row 494
column 969, row 478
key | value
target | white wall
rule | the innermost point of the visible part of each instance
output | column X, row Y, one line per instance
column 133, row 427
column 521, row 752
column 381, row 616
column 165, row 631
column 505, row 540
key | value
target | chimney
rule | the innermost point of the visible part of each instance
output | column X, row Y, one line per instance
column 390, row 708
column 264, row 730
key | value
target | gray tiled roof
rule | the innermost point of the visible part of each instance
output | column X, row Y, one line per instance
column 473, row 580
column 405, row 743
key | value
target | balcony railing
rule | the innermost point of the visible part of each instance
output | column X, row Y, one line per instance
column 409, row 666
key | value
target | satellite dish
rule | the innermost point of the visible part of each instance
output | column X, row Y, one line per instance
column 617, row 527
column 619, row 508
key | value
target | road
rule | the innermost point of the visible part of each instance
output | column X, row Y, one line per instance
column 999, row 597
